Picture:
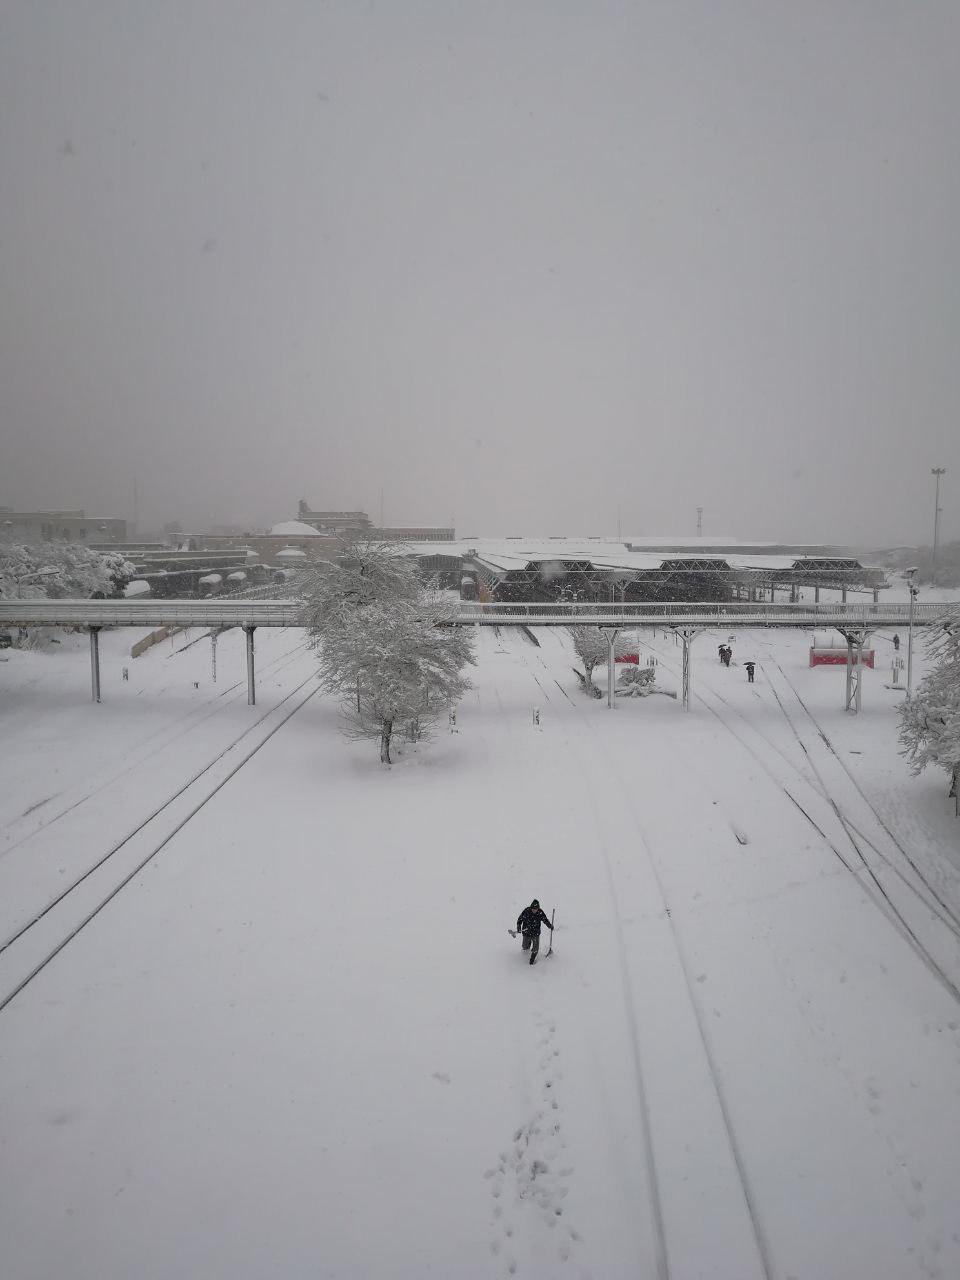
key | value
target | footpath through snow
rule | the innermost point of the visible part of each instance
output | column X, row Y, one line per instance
column 300, row 1042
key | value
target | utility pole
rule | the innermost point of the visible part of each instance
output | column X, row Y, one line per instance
column 938, row 472
column 699, row 522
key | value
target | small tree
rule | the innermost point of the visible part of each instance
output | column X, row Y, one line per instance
column 930, row 720
column 386, row 641
column 590, row 646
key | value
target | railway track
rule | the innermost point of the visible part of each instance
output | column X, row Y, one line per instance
column 195, row 717
column 76, row 923
column 820, row 793
column 661, row 1251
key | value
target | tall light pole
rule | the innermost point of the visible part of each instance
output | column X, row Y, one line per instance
column 938, row 472
column 699, row 522
column 910, row 575
column 36, row 573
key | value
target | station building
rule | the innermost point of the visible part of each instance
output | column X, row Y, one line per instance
column 62, row 526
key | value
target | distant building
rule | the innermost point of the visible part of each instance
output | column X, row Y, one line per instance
column 334, row 521
column 359, row 523
column 429, row 533
column 61, row 526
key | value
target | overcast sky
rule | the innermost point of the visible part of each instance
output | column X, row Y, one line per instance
column 515, row 264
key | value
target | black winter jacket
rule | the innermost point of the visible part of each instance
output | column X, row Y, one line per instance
column 530, row 919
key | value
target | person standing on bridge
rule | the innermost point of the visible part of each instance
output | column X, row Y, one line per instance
column 528, row 926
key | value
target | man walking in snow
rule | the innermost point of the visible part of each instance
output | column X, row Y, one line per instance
column 749, row 666
column 528, row 924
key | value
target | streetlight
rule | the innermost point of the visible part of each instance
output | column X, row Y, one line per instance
column 910, row 575
column 938, row 472
column 25, row 577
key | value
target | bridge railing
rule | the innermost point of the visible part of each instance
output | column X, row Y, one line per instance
column 652, row 613
column 233, row 611
column 229, row 611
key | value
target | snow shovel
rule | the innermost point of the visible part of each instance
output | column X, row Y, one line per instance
column 550, row 948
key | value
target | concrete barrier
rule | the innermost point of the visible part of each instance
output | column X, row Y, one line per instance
column 153, row 638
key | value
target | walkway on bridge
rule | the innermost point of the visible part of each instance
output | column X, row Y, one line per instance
column 688, row 620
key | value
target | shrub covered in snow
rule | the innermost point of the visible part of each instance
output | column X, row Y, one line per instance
column 59, row 570
column 636, row 682
column 930, row 720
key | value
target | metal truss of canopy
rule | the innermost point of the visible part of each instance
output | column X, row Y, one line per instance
column 644, row 577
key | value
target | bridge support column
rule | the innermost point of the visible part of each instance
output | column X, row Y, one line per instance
column 687, row 636
column 611, row 666
column 816, row 595
column 95, row 663
column 251, row 675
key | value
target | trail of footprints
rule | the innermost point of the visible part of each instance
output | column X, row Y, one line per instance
column 530, row 1176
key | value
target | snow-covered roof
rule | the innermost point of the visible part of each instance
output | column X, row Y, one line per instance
column 237, row 576
column 294, row 529
column 211, row 578
column 291, row 553
column 137, row 588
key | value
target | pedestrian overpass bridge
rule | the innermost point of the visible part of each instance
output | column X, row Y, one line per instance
column 854, row 621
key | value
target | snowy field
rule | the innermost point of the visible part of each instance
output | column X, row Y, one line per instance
column 299, row 1042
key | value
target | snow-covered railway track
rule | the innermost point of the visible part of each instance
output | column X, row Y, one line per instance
column 183, row 725
column 870, row 879
column 663, row 1257
column 68, row 898
column 827, row 746
column 820, row 792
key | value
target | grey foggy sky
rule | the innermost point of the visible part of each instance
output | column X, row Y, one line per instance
column 516, row 263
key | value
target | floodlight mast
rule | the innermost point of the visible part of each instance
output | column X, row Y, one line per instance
column 937, row 472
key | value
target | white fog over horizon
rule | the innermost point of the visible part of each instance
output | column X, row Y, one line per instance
column 528, row 269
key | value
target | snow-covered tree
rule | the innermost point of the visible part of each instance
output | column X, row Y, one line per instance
column 930, row 720
column 367, row 572
column 590, row 645
column 58, row 570
column 386, row 642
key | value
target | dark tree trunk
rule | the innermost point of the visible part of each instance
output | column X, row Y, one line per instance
column 386, row 732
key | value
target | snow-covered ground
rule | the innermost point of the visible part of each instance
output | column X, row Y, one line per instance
column 300, row 1042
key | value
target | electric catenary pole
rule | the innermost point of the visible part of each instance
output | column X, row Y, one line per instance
column 938, row 472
